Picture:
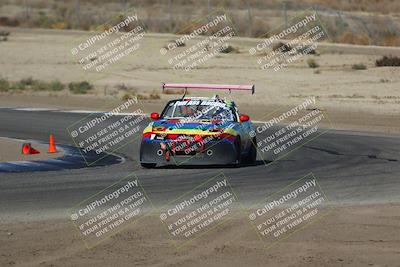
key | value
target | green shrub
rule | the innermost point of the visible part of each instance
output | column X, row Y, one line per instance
column 359, row 66
column 40, row 86
column 306, row 50
column 37, row 85
column 127, row 96
column 4, row 33
column 282, row 47
column 228, row 49
column 391, row 61
column 44, row 21
column 57, row 86
column 312, row 63
column 18, row 86
column 80, row 87
column 178, row 44
column 154, row 95
column 141, row 97
column 126, row 88
column 27, row 81
column 174, row 92
column 4, row 85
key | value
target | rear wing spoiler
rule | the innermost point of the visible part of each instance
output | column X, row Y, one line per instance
column 186, row 86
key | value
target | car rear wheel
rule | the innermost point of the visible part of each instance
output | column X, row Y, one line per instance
column 238, row 148
column 252, row 155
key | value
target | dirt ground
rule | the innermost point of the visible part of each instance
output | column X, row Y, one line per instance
column 10, row 150
column 338, row 119
column 366, row 100
column 361, row 100
column 348, row 236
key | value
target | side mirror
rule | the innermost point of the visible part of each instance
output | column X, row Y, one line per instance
column 154, row 116
column 244, row 118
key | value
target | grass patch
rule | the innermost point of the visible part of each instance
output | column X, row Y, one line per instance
column 306, row 50
column 154, row 95
column 125, row 88
column 312, row 63
column 129, row 95
column 281, row 47
column 4, row 36
column 251, row 18
column 388, row 61
column 228, row 49
column 57, row 86
column 359, row 66
column 151, row 96
column 27, row 81
column 4, row 85
column 80, row 87
column 18, row 86
column 4, row 33
column 176, row 43
column 40, row 86
column 36, row 85
column 174, row 92
column 355, row 39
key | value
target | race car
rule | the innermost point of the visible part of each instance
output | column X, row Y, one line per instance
column 199, row 131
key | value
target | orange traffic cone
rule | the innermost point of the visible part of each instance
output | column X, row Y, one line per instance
column 27, row 149
column 52, row 146
column 34, row 151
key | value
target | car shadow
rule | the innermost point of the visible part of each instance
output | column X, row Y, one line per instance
column 257, row 163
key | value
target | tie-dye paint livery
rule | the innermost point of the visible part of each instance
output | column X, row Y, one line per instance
column 198, row 131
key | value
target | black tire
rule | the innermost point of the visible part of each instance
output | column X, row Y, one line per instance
column 252, row 156
column 238, row 146
column 148, row 165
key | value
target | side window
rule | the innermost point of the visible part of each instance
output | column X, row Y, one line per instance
column 235, row 113
column 168, row 110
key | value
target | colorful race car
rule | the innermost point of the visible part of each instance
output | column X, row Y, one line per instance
column 199, row 131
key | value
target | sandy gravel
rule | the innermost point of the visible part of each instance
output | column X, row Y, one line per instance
column 337, row 86
column 10, row 150
column 339, row 119
column 367, row 100
column 349, row 236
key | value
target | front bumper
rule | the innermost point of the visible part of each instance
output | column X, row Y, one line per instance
column 213, row 153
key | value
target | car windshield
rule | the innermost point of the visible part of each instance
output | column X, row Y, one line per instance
column 198, row 110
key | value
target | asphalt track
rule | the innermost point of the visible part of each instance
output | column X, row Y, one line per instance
column 351, row 168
